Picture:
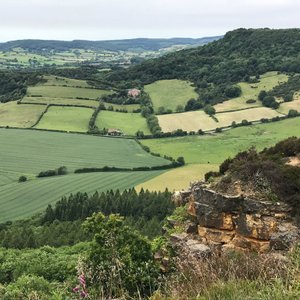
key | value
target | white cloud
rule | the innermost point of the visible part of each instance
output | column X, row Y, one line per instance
column 104, row 19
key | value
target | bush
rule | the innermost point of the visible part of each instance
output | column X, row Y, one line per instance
column 22, row 178
column 233, row 91
column 250, row 101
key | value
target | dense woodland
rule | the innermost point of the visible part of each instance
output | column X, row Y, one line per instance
column 242, row 55
column 13, row 85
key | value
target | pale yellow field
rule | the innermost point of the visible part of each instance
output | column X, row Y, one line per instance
column 195, row 120
column 178, row 179
column 189, row 121
column 252, row 114
column 285, row 107
column 18, row 115
column 251, row 91
column 65, row 101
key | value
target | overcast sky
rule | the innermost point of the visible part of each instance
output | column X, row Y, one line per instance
column 118, row 19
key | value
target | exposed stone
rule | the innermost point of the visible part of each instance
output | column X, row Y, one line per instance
column 256, row 226
column 200, row 250
column 190, row 227
column 178, row 237
column 285, row 237
column 238, row 222
column 215, row 235
column 251, row 244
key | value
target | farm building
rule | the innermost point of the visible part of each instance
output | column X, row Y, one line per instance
column 114, row 132
column 134, row 93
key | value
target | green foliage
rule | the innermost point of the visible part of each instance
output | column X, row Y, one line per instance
column 13, row 85
column 286, row 90
column 22, row 178
column 120, row 260
column 144, row 207
column 267, row 172
column 240, row 54
column 208, row 109
column 59, row 171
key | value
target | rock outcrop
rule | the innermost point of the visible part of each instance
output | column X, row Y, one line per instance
column 236, row 222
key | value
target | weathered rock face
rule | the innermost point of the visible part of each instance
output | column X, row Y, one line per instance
column 239, row 222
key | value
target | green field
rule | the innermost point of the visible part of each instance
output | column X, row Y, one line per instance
column 62, row 81
column 60, row 101
column 214, row 149
column 17, row 115
column 128, row 107
column 21, row 200
column 251, row 91
column 129, row 123
column 66, row 118
column 29, row 152
column 65, row 92
column 170, row 93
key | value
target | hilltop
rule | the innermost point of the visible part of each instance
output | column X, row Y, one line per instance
column 34, row 45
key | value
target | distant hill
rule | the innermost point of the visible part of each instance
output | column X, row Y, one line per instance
column 111, row 45
column 236, row 57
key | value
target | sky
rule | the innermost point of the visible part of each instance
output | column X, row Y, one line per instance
column 122, row 19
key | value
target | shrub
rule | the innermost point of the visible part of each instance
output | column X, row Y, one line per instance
column 22, row 178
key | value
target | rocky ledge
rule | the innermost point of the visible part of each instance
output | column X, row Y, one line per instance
column 226, row 222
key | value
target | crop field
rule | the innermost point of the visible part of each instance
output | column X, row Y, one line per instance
column 179, row 178
column 195, row 120
column 170, row 93
column 189, row 121
column 65, row 92
column 16, row 115
column 66, row 118
column 21, row 200
column 129, row 123
column 286, row 106
column 251, row 114
column 63, row 101
column 251, row 91
column 31, row 151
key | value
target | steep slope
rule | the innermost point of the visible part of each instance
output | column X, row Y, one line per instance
column 239, row 54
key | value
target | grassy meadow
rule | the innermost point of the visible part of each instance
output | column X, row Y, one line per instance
column 128, row 107
column 170, row 93
column 21, row 200
column 17, row 115
column 66, row 118
column 65, row 92
column 59, row 101
column 200, row 152
column 129, row 123
column 63, row 81
column 251, row 90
